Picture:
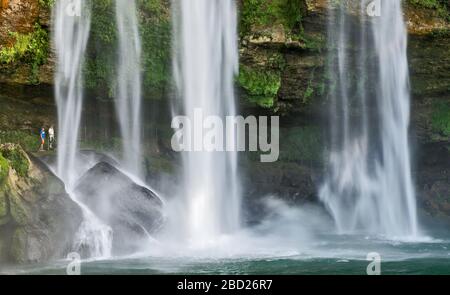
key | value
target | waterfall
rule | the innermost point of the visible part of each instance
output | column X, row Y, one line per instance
column 205, row 64
column 71, row 21
column 369, row 186
column 128, row 100
column 71, row 34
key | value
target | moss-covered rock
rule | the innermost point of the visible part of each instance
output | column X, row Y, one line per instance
column 4, row 170
column 38, row 220
column 16, row 157
column 24, row 42
column 155, row 31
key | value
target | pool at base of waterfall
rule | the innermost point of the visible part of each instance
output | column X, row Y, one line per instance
column 333, row 255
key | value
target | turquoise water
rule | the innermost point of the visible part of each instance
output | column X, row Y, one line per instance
column 332, row 255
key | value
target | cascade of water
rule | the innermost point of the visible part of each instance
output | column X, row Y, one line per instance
column 128, row 101
column 71, row 33
column 369, row 187
column 205, row 63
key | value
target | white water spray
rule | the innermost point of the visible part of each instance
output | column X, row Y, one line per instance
column 128, row 101
column 205, row 63
column 71, row 34
column 369, row 187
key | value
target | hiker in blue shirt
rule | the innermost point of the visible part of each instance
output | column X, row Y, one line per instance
column 42, row 136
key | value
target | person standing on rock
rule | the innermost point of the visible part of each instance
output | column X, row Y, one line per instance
column 42, row 136
column 51, row 137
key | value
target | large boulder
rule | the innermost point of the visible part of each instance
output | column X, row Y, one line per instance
column 38, row 219
column 132, row 211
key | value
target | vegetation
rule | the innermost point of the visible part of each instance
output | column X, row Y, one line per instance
column 4, row 170
column 46, row 3
column 441, row 6
column 26, row 140
column 17, row 160
column 155, row 30
column 262, row 13
column 261, row 86
column 31, row 48
column 440, row 120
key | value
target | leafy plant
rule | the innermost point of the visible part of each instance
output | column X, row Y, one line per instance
column 261, row 86
column 17, row 161
column 4, row 169
column 31, row 48
column 26, row 140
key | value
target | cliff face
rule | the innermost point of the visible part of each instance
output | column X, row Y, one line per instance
column 292, row 60
column 25, row 57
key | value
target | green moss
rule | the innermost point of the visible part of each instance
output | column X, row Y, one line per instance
column 156, row 35
column 441, row 6
column 262, row 13
column 26, row 140
column 46, row 3
column 99, row 69
column 4, row 170
column 32, row 49
column 440, row 119
column 261, row 85
column 155, row 31
column 17, row 161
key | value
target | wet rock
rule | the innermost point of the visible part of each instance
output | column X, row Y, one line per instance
column 132, row 211
column 38, row 219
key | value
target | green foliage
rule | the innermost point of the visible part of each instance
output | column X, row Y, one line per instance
column 261, row 86
column 4, row 169
column 101, row 52
column 441, row 6
column 46, row 3
column 262, row 12
column 26, row 140
column 313, row 43
column 440, row 119
column 17, row 161
column 155, row 30
column 156, row 35
column 32, row 48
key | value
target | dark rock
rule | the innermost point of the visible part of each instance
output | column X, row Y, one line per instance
column 131, row 210
column 433, row 180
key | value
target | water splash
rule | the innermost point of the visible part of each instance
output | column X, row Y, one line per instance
column 206, row 62
column 128, row 101
column 369, row 186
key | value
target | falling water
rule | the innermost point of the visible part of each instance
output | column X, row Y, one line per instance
column 71, row 34
column 205, row 62
column 369, row 187
column 128, row 102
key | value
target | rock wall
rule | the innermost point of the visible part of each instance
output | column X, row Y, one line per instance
column 25, row 22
